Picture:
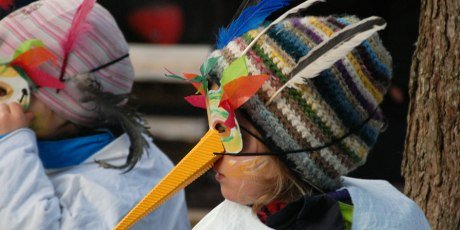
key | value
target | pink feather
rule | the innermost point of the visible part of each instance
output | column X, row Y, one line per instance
column 79, row 26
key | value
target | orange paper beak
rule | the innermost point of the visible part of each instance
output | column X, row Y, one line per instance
column 199, row 160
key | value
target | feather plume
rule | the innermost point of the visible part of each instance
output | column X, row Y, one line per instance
column 249, row 19
column 79, row 26
column 6, row 4
column 244, row 4
column 298, row 8
column 112, row 112
column 328, row 52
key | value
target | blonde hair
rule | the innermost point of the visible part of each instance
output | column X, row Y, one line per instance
column 284, row 186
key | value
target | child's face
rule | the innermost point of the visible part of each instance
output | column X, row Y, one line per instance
column 243, row 179
column 46, row 123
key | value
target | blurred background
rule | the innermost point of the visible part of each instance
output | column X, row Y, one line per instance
column 179, row 34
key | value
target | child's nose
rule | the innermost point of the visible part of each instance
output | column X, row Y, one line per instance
column 217, row 164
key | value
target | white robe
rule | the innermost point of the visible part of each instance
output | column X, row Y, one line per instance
column 81, row 197
column 376, row 205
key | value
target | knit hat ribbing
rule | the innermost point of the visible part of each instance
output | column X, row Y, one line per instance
column 325, row 108
column 49, row 21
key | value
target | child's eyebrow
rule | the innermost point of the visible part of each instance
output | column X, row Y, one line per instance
column 261, row 139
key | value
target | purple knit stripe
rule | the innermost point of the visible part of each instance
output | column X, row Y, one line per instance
column 379, row 79
column 334, row 22
column 296, row 22
column 368, row 106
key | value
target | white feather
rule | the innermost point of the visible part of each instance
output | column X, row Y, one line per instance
column 330, row 57
column 294, row 10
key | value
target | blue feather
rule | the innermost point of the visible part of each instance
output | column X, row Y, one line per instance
column 250, row 18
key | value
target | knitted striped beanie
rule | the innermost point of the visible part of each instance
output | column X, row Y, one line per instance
column 50, row 21
column 326, row 108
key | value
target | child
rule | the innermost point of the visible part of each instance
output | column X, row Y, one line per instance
column 69, row 59
column 297, row 145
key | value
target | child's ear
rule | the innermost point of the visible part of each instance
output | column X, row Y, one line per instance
column 29, row 117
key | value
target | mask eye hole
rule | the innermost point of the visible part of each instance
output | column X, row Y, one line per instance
column 223, row 130
column 220, row 128
column 5, row 91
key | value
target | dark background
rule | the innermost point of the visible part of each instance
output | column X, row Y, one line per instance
column 202, row 19
column 197, row 22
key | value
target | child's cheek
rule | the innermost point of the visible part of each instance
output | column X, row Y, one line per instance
column 39, row 124
column 247, row 178
column 249, row 168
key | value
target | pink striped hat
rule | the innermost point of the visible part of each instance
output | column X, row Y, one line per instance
column 102, row 46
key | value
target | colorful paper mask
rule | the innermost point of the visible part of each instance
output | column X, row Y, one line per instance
column 222, row 98
column 13, row 88
column 21, row 75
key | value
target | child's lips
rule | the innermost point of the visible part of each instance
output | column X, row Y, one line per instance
column 219, row 176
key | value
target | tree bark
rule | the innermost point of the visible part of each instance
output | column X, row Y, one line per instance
column 431, row 165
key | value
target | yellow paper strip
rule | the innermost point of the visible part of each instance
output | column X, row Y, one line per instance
column 199, row 160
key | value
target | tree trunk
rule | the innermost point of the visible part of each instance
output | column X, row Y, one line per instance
column 432, row 151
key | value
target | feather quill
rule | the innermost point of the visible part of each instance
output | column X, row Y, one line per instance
column 328, row 52
column 249, row 19
column 298, row 8
column 244, row 4
column 79, row 26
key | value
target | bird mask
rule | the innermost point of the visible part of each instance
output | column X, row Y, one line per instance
column 221, row 97
column 21, row 75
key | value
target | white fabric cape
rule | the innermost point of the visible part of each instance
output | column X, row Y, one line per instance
column 376, row 205
column 81, row 197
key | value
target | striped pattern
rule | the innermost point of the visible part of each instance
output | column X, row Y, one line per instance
column 325, row 107
column 49, row 21
column 199, row 160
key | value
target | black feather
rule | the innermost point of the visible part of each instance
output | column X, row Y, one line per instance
column 333, row 42
column 113, row 112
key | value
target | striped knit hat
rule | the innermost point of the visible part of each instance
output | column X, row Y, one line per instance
column 50, row 21
column 326, row 108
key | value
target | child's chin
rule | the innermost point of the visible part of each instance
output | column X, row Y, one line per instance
column 228, row 195
column 232, row 196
